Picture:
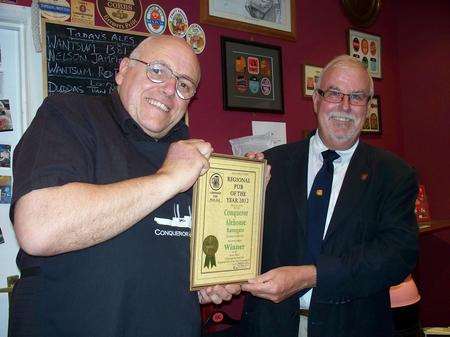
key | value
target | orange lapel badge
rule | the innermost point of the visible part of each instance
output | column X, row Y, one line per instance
column 364, row 176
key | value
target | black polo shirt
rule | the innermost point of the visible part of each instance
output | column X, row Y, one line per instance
column 135, row 284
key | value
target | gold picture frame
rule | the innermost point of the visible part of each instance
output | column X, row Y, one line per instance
column 267, row 18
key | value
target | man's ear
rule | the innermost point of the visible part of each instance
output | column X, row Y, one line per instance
column 123, row 67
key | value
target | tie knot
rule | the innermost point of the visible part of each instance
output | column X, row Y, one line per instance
column 329, row 156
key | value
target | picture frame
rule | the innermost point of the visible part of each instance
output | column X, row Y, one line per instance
column 372, row 124
column 311, row 75
column 252, row 76
column 367, row 49
column 272, row 18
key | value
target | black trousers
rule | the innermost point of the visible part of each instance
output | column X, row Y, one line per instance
column 406, row 321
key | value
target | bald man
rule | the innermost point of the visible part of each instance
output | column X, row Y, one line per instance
column 102, row 206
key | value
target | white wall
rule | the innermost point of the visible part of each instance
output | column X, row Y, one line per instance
column 21, row 83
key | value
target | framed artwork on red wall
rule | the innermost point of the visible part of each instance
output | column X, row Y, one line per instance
column 367, row 49
column 268, row 17
column 310, row 77
column 251, row 76
column 372, row 124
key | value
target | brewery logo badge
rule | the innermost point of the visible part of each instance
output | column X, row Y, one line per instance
column 55, row 9
column 120, row 14
column 83, row 12
column 266, row 86
column 195, row 37
column 216, row 182
column 178, row 22
column 155, row 19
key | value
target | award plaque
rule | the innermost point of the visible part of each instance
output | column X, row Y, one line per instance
column 227, row 222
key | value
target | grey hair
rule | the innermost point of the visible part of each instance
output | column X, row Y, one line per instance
column 346, row 61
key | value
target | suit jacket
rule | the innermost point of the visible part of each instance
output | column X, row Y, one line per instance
column 370, row 245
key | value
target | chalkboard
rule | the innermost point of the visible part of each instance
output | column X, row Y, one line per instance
column 84, row 60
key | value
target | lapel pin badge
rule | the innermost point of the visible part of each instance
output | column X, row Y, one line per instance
column 319, row 192
column 364, row 176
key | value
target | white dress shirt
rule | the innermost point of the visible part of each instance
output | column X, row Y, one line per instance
column 315, row 162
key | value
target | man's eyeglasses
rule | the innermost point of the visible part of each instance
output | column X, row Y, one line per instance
column 158, row 72
column 335, row 96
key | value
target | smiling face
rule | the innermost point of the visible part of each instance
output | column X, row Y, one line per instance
column 156, row 107
column 340, row 123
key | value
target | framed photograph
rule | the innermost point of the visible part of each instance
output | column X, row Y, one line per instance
column 372, row 124
column 367, row 49
column 251, row 76
column 268, row 17
column 310, row 77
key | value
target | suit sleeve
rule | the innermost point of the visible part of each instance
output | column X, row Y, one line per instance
column 383, row 259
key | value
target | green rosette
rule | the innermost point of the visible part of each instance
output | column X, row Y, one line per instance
column 210, row 247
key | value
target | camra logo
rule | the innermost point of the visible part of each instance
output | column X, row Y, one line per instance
column 120, row 14
column 215, row 181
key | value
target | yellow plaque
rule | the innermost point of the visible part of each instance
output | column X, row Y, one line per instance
column 227, row 222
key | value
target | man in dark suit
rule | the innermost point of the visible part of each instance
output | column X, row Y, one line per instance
column 328, row 269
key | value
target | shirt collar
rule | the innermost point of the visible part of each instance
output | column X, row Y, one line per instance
column 317, row 147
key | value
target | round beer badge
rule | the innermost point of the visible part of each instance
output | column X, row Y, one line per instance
column 155, row 19
column 178, row 22
column 216, row 181
column 266, row 86
column 195, row 37
column 55, row 9
column 120, row 14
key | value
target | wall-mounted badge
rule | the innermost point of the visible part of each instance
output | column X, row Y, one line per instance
column 178, row 22
column 266, row 66
column 155, row 19
column 195, row 37
column 83, row 12
column 240, row 64
column 253, row 65
column 241, row 83
column 120, row 14
column 266, row 86
column 253, row 85
column 55, row 9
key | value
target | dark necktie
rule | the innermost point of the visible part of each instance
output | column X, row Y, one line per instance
column 318, row 201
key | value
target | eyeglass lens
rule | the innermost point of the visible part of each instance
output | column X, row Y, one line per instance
column 334, row 96
column 158, row 72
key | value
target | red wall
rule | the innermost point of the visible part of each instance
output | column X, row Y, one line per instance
column 414, row 90
column 424, row 84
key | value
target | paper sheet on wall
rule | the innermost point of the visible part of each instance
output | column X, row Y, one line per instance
column 277, row 130
column 258, row 143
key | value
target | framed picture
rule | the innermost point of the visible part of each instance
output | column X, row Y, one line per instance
column 251, row 76
column 268, row 17
column 310, row 77
column 372, row 124
column 367, row 49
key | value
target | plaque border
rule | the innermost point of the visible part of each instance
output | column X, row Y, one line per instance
column 194, row 260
